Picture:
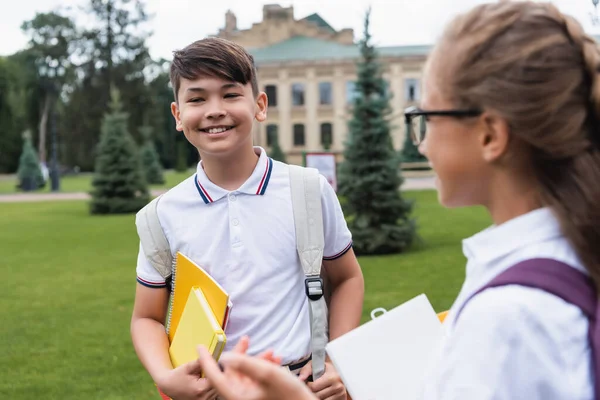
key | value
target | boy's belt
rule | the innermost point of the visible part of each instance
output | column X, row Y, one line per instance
column 296, row 366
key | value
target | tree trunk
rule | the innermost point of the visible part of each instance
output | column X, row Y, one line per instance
column 43, row 129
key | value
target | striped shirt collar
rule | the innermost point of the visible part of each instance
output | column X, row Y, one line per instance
column 256, row 184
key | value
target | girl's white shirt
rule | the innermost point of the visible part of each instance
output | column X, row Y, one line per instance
column 513, row 342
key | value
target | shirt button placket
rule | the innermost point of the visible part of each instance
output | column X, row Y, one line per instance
column 235, row 228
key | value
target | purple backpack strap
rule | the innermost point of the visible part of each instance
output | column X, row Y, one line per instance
column 563, row 281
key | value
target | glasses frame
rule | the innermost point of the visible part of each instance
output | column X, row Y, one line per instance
column 411, row 112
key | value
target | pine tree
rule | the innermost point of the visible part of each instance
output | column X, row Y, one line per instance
column 276, row 153
column 370, row 177
column 150, row 159
column 410, row 152
column 181, row 164
column 29, row 172
column 119, row 185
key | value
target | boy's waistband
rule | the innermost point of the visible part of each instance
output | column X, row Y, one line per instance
column 296, row 366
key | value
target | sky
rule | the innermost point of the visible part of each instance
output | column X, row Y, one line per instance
column 176, row 23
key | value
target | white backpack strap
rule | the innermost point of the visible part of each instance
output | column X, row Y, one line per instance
column 154, row 242
column 308, row 219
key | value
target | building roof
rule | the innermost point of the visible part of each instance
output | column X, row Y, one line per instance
column 302, row 48
column 320, row 22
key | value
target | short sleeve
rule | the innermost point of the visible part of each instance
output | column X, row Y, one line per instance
column 338, row 239
column 147, row 275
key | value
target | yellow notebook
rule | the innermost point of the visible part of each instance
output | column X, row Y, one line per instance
column 198, row 325
column 188, row 275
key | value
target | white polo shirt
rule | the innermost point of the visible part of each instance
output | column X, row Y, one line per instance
column 514, row 342
column 246, row 240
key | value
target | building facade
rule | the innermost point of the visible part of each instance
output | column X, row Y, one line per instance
column 308, row 70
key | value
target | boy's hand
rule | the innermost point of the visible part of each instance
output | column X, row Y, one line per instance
column 185, row 383
column 329, row 386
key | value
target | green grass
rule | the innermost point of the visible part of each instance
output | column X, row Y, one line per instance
column 70, row 280
column 83, row 182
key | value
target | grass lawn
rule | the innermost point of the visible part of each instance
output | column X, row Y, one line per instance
column 83, row 182
column 71, row 278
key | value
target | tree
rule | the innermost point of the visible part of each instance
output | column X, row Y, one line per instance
column 10, row 139
column 111, row 52
column 119, row 185
column 410, row 152
column 181, row 163
column 150, row 160
column 52, row 40
column 276, row 153
column 370, row 177
column 162, row 97
column 29, row 172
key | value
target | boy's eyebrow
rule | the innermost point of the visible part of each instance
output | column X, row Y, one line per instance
column 225, row 86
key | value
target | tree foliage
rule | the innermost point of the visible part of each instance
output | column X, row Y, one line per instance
column 370, row 179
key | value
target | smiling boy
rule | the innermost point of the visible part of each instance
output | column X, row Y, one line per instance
column 234, row 217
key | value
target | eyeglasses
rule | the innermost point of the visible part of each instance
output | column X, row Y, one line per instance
column 416, row 120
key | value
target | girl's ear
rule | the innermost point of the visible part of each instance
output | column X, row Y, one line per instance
column 495, row 137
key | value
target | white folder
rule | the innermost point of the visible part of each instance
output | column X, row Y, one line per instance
column 388, row 357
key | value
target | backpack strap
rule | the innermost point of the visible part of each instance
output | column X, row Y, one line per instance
column 308, row 219
column 563, row 281
column 154, row 242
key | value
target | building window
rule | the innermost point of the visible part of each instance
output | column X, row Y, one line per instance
column 298, row 135
column 387, row 87
column 297, row 94
column 411, row 89
column 351, row 92
column 271, row 91
column 325, row 93
column 271, row 134
column 326, row 135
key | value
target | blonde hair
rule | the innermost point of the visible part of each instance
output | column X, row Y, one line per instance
column 538, row 69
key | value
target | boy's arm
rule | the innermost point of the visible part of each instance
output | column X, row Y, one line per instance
column 341, row 267
column 346, row 282
column 151, row 342
column 148, row 331
column 347, row 293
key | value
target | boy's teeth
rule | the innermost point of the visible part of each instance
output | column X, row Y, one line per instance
column 217, row 130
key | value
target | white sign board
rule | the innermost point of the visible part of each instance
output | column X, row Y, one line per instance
column 325, row 164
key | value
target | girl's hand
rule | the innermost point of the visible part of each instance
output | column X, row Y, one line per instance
column 252, row 378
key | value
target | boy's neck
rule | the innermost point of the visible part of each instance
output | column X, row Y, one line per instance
column 231, row 171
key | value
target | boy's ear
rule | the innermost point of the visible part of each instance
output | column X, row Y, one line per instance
column 175, row 112
column 495, row 137
column 262, row 102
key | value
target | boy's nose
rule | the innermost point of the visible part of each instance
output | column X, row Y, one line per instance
column 215, row 110
column 215, row 113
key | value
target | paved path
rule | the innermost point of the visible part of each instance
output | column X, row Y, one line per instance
column 420, row 183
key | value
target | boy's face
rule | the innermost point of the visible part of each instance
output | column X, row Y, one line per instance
column 217, row 116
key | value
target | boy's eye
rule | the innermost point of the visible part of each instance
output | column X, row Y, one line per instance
column 231, row 95
column 195, row 100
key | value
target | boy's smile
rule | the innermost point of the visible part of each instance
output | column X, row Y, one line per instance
column 217, row 116
column 215, row 130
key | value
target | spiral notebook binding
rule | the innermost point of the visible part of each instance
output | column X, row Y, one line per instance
column 170, row 312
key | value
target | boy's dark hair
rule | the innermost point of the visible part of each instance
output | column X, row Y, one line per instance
column 214, row 57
